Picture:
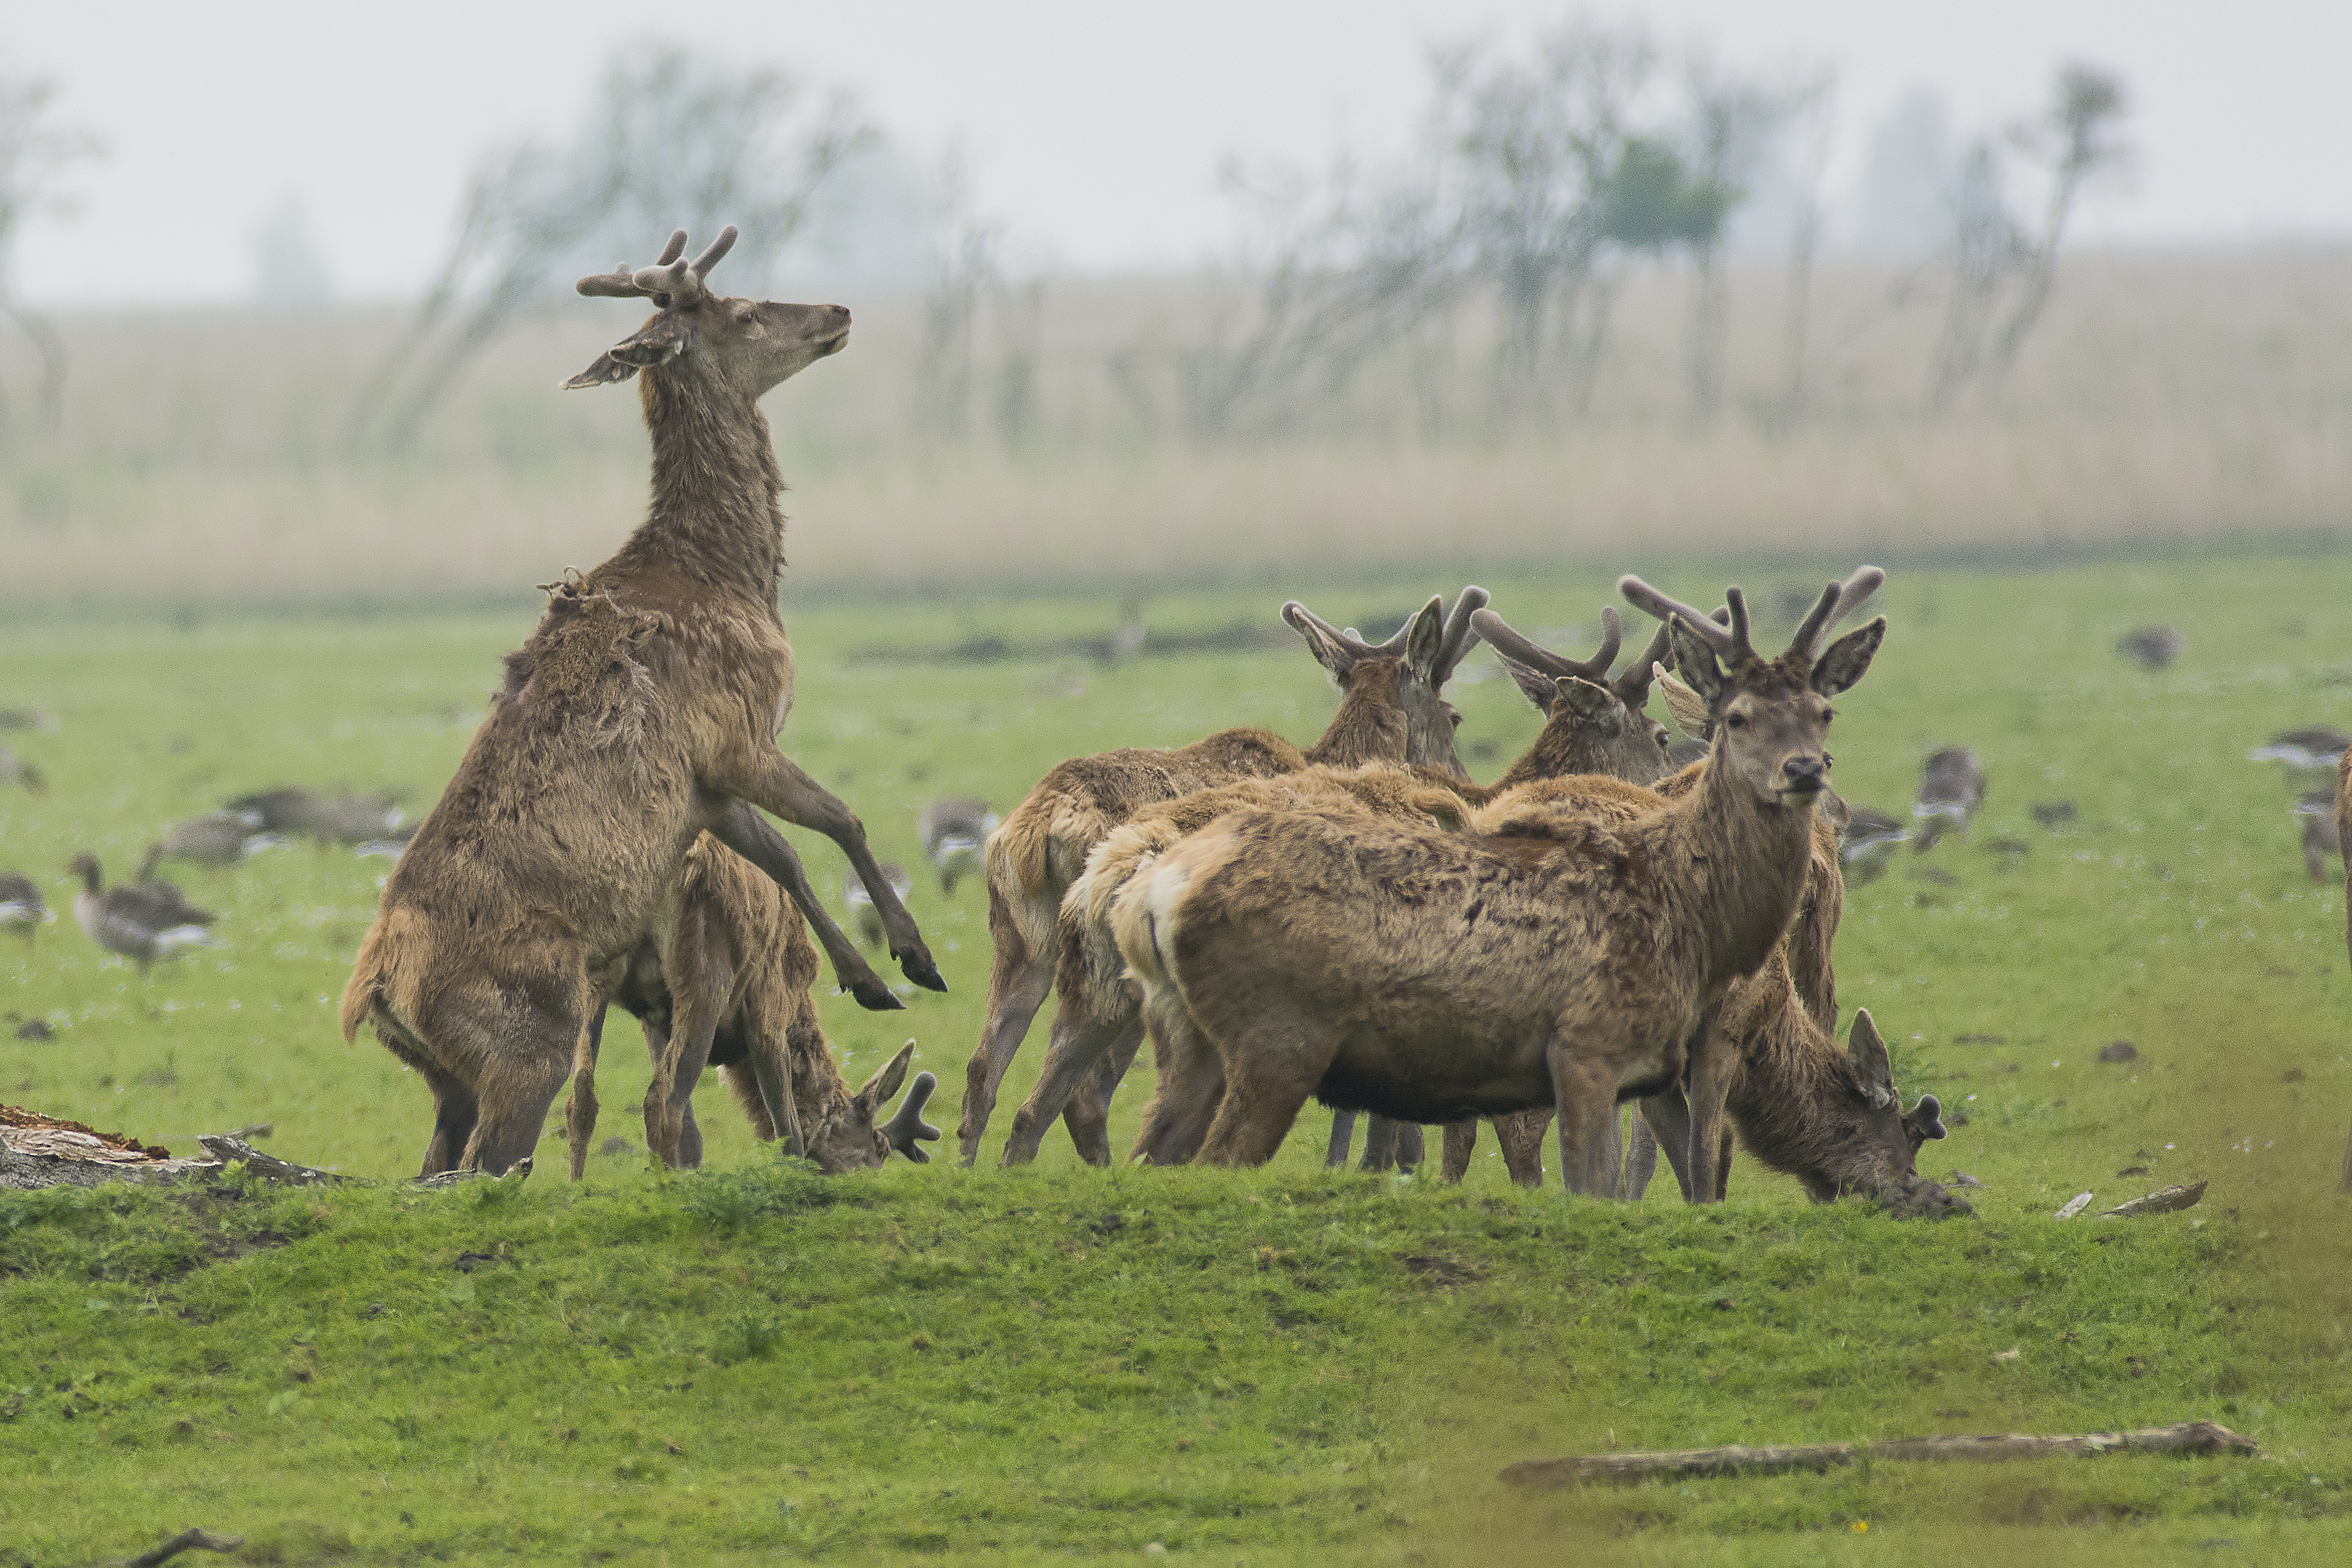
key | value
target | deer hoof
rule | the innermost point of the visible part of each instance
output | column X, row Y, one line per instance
column 871, row 993
column 916, row 962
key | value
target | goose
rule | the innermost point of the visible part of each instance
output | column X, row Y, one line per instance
column 2315, row 749
column 861, row 903
column 1866, row 843
column 22, row 907
column 142, row 921
column 2321, row 844
column 2151, row 647
column 286, row 810
column 391, row 846
column 953, row 831
column 1951, row 788
column 216, row 839
column 355, row 819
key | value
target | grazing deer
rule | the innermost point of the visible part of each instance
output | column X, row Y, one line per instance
column 725, row 985
column 1392, row 708
column 643, row 711
column 1553, row 959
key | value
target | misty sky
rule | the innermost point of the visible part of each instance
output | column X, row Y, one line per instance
column 1096, row 125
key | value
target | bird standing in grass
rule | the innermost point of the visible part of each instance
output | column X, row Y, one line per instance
column 142, row 921
column 1951, row 789
column 2316, row 749
column 953, row 831
column 22, row 907
column 216, row 839
column 1866, row 844
column 868, row 919
column 15, row 770
column 2151, row 647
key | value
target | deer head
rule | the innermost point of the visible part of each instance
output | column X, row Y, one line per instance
column 1402, row 680
column 857, row 1140
column 1888, row 1136
column 1602, row 719
column 1769, row 717
column 745, row 345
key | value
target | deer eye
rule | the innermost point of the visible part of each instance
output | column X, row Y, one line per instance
column 1735, row 721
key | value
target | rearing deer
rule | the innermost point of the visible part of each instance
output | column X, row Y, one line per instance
column 643, row 711
column 1555, row 959
column 1392, row 708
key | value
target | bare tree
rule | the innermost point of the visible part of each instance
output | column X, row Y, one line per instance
column 37, row 153
column 1809, row 125
column 2002, row 271
column 1734, row 122
column 671, row 138
column 966, row 268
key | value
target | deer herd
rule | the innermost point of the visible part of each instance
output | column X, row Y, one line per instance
column 1354, row 922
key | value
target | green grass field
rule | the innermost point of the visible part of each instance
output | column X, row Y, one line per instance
column 931, row 1364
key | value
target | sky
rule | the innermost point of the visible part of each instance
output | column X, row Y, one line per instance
column 1095, row 127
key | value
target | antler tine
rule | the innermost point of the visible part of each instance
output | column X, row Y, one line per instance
column 1293, row 614
column 1519, row 650
column 621, row 283
column 908, row 1125
column 1649, row 600
column 713, row 254
column 1837, row 603
column 1633, row 687
column 1460, row 632
column 1737, row 603
column 1808, row 631
column 673, row 250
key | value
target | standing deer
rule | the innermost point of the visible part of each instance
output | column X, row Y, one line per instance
column 643, row 711
column 1392, row 708
column 1552, row 959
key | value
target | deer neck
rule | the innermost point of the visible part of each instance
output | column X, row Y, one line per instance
column 1369, row 727
column 716, row 514
column 1746, row 862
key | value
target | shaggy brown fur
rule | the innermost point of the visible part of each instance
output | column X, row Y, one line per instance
column 648, row 699
column 1392, row 709
column 1548, row 958
column 1097, row 1011
column 737, row 950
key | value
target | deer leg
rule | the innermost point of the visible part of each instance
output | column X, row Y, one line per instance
column 1272, row 1065
column 1017, row 983
column 1461, row 1141
column 775, row 1085
column 1412, row 1147
column 1192, row 1086
column 454, row 1111
column 1712, row 1060
column 1081, row 1044
column 1642, row 1162
column 1379, row 1145
column 1668, row 1116
column 1584, row 1093
column 1087, row 1115
column 1343, row 1133
column 702, row 975
column 741, row 829
column 580, row 1111
column 779, row 786
column 1521, row 1134
column 514, row 1103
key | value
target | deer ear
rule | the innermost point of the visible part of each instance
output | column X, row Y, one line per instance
column 658, row 341
column 1694, row 661
column 883, row 1084
column 1596, row 704
column 1422, row 649
column 1867, row 1051
column 1444, row 807
column 1848, row 659
column 604, row 373
column 1534, row 685
column 1685, row 707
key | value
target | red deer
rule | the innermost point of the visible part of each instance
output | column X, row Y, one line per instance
column 1553, row 957
column 1392, row 709
column 727, row 984
column 643, row 711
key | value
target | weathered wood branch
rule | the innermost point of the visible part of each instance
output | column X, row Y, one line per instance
column 226, row 1147
column 186, row 1540
column 2189, row 1437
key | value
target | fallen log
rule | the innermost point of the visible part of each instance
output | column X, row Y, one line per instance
column 2163, row 1200
column 38, row 1151
column 2189, row 1437
column 186, row 1540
